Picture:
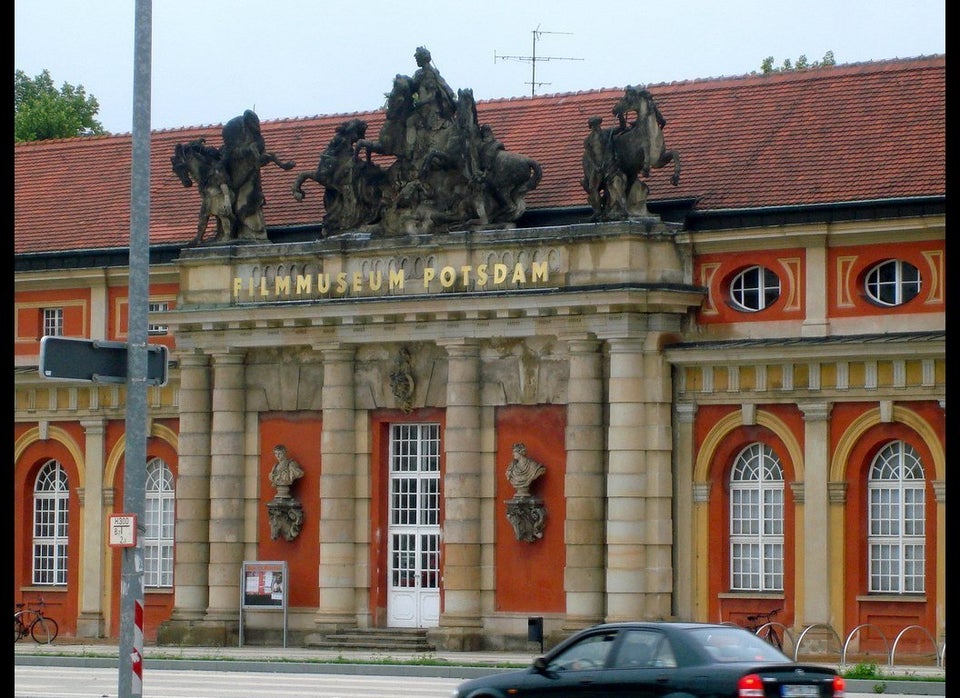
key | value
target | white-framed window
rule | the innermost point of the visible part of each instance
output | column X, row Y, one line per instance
column 158, row 525
column 157, row 307
column 754, row 288
column 897, row 521
column 51, row 509
column 756, row 520
column 893, row 282
column 53, row 322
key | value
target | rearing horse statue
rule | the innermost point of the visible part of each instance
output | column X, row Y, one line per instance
column 197, row 162
column 229, row 179
column 616, row 158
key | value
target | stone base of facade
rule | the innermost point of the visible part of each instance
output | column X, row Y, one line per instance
column 91, row 625
column 199, row 633
column 457, row 639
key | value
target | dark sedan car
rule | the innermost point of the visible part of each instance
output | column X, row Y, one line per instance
column 661, row 660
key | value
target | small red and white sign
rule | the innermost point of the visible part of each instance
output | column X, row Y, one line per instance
column 123, row 530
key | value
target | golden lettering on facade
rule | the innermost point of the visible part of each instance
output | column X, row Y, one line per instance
column 466, row 277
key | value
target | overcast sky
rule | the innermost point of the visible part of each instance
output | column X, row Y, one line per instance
column 290, row 58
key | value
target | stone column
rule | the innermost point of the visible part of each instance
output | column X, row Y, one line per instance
column 461, row 620
column 338, row 492
column 90, row 620
column 226, row 488
column 584, row 576
column 639, row 483
column 685, row 591
column 814, row 603
column 192, row 557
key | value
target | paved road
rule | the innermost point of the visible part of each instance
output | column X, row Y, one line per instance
column 82, row 682
column 33, row 681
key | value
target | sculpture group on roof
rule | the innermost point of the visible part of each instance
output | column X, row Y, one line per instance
column 229, row 179
column 439, row 169
column 448, row 171
column 615, row 158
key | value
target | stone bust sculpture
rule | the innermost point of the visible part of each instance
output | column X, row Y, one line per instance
column 522, row 470
column 285, row 472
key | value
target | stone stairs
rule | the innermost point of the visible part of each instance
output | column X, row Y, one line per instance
column 384, row 640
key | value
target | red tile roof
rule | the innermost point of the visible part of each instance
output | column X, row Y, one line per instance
column 856, row 132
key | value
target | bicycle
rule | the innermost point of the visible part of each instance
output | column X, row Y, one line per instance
column 763, row 627
column 35, row 623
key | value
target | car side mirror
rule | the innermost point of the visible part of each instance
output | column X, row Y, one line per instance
column 540, row 665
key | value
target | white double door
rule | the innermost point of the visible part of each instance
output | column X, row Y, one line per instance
column 413, row 599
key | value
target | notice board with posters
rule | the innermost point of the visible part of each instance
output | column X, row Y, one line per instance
column 263, row 587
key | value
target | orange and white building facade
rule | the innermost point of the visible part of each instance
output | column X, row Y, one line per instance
column 740, row 406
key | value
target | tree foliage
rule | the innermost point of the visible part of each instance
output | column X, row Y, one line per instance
column 42, row 112
column 767, row 67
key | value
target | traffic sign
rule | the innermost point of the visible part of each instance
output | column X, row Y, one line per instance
column 123, row 530
column 97, row 361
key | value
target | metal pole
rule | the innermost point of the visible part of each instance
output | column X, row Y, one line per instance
column 533, row 65
column 130, row 680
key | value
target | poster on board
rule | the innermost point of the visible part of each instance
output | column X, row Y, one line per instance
column 264, row 584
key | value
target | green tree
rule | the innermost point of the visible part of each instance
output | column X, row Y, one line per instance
column 42, row 112
column 767, row 67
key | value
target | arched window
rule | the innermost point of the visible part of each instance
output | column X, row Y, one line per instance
column 756, row 520
column 897, row 517
column 158, row 536
column 51, row 509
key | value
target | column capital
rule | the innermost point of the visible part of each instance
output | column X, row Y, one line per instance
column 939, row 490
column 227, row 357
column 815, row 411
column 837, row 492
column 336, row 351
column 575, row 337
column 191, row 359
column 94, row 426
column 798, row 490
column 626, row 345
column 686, row 411
column 460, row 347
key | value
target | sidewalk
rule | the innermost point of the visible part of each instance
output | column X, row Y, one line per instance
column 483, row 661
column 110, row 649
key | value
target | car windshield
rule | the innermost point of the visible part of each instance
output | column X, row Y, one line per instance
column 729, row 644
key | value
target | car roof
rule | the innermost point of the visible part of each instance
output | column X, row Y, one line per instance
column 659, row 623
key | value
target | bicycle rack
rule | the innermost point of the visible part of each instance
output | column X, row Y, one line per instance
column 785, row 633
column 796, row 648
column 843, row 655
column 939, row 650
column 926, row 632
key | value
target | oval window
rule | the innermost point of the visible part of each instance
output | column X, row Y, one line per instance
column 893, row 282
column 754, row 288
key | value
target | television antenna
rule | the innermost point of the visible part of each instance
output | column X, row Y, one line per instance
column 533, row 58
